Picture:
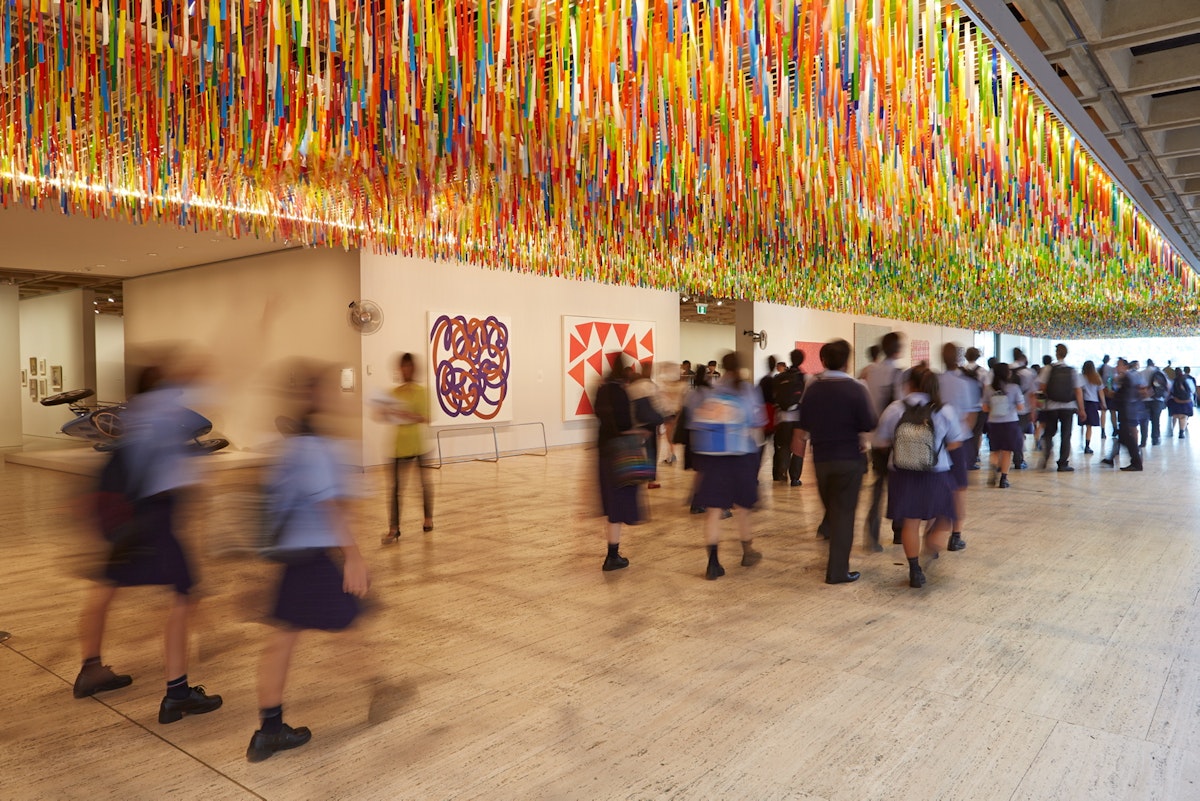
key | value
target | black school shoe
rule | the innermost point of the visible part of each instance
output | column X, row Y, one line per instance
column 263, row 746
column 197, row 703
column 94, row 679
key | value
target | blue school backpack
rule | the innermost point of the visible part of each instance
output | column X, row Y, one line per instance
column 718, row 423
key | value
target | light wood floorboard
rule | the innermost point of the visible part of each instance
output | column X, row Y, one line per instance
column 1058, row 657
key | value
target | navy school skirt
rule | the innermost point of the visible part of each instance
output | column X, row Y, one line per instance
column 1005, row 437
column 728, row 480
column 154, row 556
column 1091, row 413
column 310, row 594
column 917, row 495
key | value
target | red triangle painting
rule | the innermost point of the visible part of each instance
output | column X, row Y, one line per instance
column 612, row 358
column 584, row 331
column 621, row 330
column 577, row 348
column 585, row 405
column 602, row 330
column 632, row 348
column 577, row 372
column 648, row 341
column 596, row 360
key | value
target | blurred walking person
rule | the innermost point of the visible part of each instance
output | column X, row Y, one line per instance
column 155, row 471
column 835, row 412
column 409, row 412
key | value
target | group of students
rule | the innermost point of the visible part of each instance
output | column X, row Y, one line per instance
column 321, row 578
column 919, row 432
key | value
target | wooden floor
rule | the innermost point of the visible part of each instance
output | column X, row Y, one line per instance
column 1056, row 658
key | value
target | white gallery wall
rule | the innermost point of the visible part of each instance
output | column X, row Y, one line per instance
column 786, row 325
column 110, row 358
column 12, row 396
column 247, row 317
column 408, row 288
column 53, row 332
column 702, row 342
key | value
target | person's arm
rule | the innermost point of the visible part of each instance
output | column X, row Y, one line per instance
column 355, row 580
column 1079, row 403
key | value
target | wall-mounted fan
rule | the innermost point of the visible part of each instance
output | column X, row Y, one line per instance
column 365, row 316
column 758, row 336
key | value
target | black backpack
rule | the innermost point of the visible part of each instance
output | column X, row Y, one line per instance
column 788, row 389
column 1158, row 385
column 1060, row 386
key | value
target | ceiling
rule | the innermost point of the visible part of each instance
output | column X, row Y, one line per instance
column 1134, row 66
column 868, row 158
column 46, row 251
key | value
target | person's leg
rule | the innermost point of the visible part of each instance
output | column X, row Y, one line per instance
column 845, row 483
column 1127, row 435
column 273, row 734
column 181, row 698
column 1019, row 454
column 393, row 504
column 1066, row 424
column 93, row 676
column 1049, row 429
column 1004, row 460
column 426, row 475
column 1155, row 408
column 783, row 450
column 750, row 557
column 910, row 535
column 95, row 615
column 1144, row 429
column 712, row 537
column 879, row 467
column 613, row 559
column 1087, row 438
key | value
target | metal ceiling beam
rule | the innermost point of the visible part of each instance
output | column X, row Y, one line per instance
column 994, row 17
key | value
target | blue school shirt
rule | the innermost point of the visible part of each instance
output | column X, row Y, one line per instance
column 308, row 474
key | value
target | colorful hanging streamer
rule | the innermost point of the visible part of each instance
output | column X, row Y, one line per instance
column 868, row 156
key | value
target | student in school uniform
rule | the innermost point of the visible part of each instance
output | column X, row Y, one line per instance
column 920, row 486
column 884, row 384
column 835, row 412
column 1003, row 403
column 1095, row 404
column 960, row 393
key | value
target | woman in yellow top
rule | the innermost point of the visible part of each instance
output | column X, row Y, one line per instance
column 410, row 413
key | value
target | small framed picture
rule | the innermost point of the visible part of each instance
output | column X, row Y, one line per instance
column 41, row 366
column 32, row 365
column 24, row 381
column 56, row 377
column 42, row 387
column 33, row 396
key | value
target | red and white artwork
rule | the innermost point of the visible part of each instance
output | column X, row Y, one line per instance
column 590, row 345
column 812, row 357
column 920, row 351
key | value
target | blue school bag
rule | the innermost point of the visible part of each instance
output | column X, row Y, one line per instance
column 719, row 424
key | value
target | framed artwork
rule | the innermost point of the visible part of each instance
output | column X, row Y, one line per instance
column 812, row 357
column 470, row 362
column 590, row 345
column 56, row 377
column 33, row 396
column 865, row 335
column 41, row 366
column 32, row 365
column 920, row 351
column 23, row 377
column 42, row 387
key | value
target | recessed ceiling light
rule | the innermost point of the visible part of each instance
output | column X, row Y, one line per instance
column 110, row 300
column 97, row 311
column 181, row 247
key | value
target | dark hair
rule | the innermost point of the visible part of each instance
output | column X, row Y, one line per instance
column 1089, row 372
column 1019, row 356
column 922, row 379
column 797, row 357
column 732, row 365
column 618, row 369
column 890, row 344
column 771, row 362
column 835, row 354
column 700, row 379
column 1000, row 376
column 149, row 378
column 950, row 355
column 973, row 353
column 1046, row 360
column 406, row 358
column 873, row 352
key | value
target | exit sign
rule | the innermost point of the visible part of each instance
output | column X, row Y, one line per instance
column 701, row 308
